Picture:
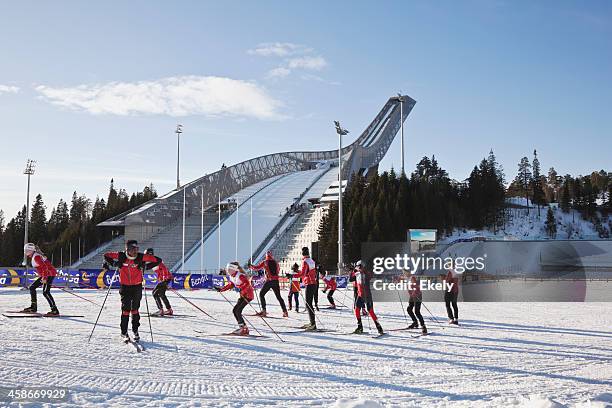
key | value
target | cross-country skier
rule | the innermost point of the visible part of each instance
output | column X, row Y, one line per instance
column 270, row 268
column 308, row 274
column 294, row 287
column 164, row 278
column 364, row 297
column 416, row 298
column 352, row 279
column 238, row 279
column 131, row 264
column 331, row 285
column 450, row 296
column 46, row 273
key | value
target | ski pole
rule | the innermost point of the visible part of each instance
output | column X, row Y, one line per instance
column 110, row 285
column 191, row 303
column 433, row 317
column 144, row 288
column 311, row 309
column 80, row 297
column 402, row 303
column 267, row 324
column 244, row 317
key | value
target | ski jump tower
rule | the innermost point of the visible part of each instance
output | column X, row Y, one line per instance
column 161, row 216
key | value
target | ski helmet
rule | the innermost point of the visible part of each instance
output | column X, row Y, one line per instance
column 29, row 248
column 149, row 251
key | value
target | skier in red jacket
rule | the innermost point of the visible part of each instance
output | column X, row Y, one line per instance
column 450, row 296
column 362, row 279
column 164, row 278
column 131, row 264
column 331, row 285
column 46, row 273
column 270, row 267
column 308, row 274
column 238, row 279
column 416, row 298
column 294, row 287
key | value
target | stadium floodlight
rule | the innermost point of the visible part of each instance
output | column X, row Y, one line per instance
column 341, row 132
column 401, row 99
column 178, row 131
column 29, row 171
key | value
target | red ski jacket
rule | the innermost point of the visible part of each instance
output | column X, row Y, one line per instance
column 43, row 266
column 308, row 272
column 294, row 283
column 415, row 293
column 242, row 282
column 452, row 277
column 131, row 269
column 330, row 283
column 267, row 265
column 362, row 280
column 162, row 271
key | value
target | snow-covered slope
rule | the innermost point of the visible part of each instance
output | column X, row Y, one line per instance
column 522, row 225
column 504, row 354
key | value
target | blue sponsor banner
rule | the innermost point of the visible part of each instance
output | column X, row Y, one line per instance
column 342, row 281
column 97, row 279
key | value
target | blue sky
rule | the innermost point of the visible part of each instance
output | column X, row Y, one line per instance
column 95, row 91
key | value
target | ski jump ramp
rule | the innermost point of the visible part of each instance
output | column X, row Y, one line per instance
column 269, row 184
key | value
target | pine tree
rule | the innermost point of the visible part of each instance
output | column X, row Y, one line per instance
column 38, row 222
column 536, row 183
column 523, row 178
column 551, row 223
column 565, row 194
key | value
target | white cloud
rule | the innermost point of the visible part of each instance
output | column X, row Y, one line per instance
column 8, row 89
column 174, row 96
column 279, row 72
column 278, row 49
column 296, row 58
column 313, row 63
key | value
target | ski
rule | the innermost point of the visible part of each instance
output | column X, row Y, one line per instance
column 32, row 315
column 401, row 329
column 139, row 347
column 169, row 316
column 378, row 336
column 300, row 330
column 266, row 317
column 416, row 336
column 204, row 334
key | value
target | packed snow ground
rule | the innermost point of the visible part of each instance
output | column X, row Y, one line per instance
column 504, row 354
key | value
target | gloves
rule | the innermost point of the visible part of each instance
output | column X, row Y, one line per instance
column 324, row 290
column 106, row 266
column 217, row 288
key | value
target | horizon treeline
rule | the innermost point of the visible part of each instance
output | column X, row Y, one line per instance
column 70, row 230
column 383, row 207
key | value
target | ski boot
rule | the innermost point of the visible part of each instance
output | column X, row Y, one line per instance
column 317, row 307
column 289, row 307
column 31, row 309
column 451, row 321
column 455, row 322
column 332, row 306
column 53, row 312
column 125, row 338
column 359, row 329
column 168, row 312
column 424, row 331
column 242, row 330
column 285, row 314
column 311, row 327
column 379, row 328
column 414, row 325
column 160, row 312
column 305, row 326
column 262, row 313
column 136, row 337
